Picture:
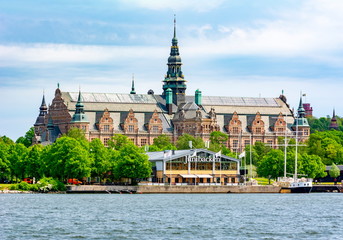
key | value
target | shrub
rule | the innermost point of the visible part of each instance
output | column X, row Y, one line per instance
column 50, row 184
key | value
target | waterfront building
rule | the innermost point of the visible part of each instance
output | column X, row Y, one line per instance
column 143, row 117
column 194, row 167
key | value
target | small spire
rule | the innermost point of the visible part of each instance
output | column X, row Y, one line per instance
column 133, row 85
column 58, row 85
column 174, row 26
column 333, row 115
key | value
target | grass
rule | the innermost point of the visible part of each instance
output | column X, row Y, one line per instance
column 5, row 186
column 264, row 181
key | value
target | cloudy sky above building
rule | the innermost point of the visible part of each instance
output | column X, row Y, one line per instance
column 228, row 48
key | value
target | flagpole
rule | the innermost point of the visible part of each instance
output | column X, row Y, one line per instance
column 250, row 158
column 170, row 169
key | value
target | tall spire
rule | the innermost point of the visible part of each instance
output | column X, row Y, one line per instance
column 301, row 109
column 43, row 111
column 174, row 27
column 174, row 78
column 133, row 85
column 300, row 120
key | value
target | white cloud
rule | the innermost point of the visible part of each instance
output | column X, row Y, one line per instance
column 176, row 5
column 65, row 53
column 313, row 30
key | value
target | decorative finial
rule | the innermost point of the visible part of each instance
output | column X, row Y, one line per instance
column 58, row 85
column 282, row 92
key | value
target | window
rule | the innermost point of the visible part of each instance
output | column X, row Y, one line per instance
column 258, row 130
column 106, row 142
column 131, row 128
column 144, row 142
column 106, row 128
column 246, row 143
column 235, row 130
column 154, row 129
column 270, row 143
column 235, row 145
column 132, row 140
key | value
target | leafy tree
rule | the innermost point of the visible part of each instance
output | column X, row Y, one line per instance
column 68, row 159
column 163, row 142
column 33, row 161
column 272, row 164
column 132, row 163
column 79, row 135
column 45, row 161
column 100, row 159
column 17, row 155
column 183, row 142
column 334, row 171
column 321, row 124
column 27, row 139
column 118, row 141
column 217, row 137
column 312, row 166
column 5, row 168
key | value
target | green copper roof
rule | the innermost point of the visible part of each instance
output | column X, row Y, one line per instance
column 79, row 115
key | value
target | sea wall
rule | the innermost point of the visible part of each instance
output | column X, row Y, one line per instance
column 174, row 189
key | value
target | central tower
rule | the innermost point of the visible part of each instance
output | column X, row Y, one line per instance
column 174, row 78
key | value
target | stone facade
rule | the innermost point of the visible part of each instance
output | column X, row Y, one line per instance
column 143, row 117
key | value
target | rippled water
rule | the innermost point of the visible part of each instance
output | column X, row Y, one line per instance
column 171, row 216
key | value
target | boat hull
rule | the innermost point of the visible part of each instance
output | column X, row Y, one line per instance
column 297, row 190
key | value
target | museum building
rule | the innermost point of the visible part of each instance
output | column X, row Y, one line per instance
column 143, row 117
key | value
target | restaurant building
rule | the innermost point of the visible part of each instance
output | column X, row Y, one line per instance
column 194, row 167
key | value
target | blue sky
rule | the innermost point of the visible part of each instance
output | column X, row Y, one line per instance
column 228, row 48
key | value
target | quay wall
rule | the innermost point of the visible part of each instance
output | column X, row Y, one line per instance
column 174, row 189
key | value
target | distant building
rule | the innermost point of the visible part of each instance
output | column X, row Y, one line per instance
column 308, row 110
column 333, row 122
column 143, row 117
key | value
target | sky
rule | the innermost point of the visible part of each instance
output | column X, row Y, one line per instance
column 239, row 48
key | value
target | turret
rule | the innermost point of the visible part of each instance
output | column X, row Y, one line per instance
column 169, row 101
column 198, row 98
column 300, row 122
column 80, row 119
column 333, row 122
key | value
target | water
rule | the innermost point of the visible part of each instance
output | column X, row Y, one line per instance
column 171, row 216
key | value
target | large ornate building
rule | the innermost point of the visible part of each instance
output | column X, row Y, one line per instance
column 143, row 117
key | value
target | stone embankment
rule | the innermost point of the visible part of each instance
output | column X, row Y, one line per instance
column 172, row 189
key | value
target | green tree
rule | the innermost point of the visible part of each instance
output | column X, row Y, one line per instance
column 163, row 142
column 5, row 169
column 68, row 159
column 118, row 141
column 17, row 155
column 100, row 159
column 79, row 135
column 183, row 142
column 334, row 171
column 312, row 166
column 272, row 164
column 33, row 161
column 132, row 163
column 27, row 139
